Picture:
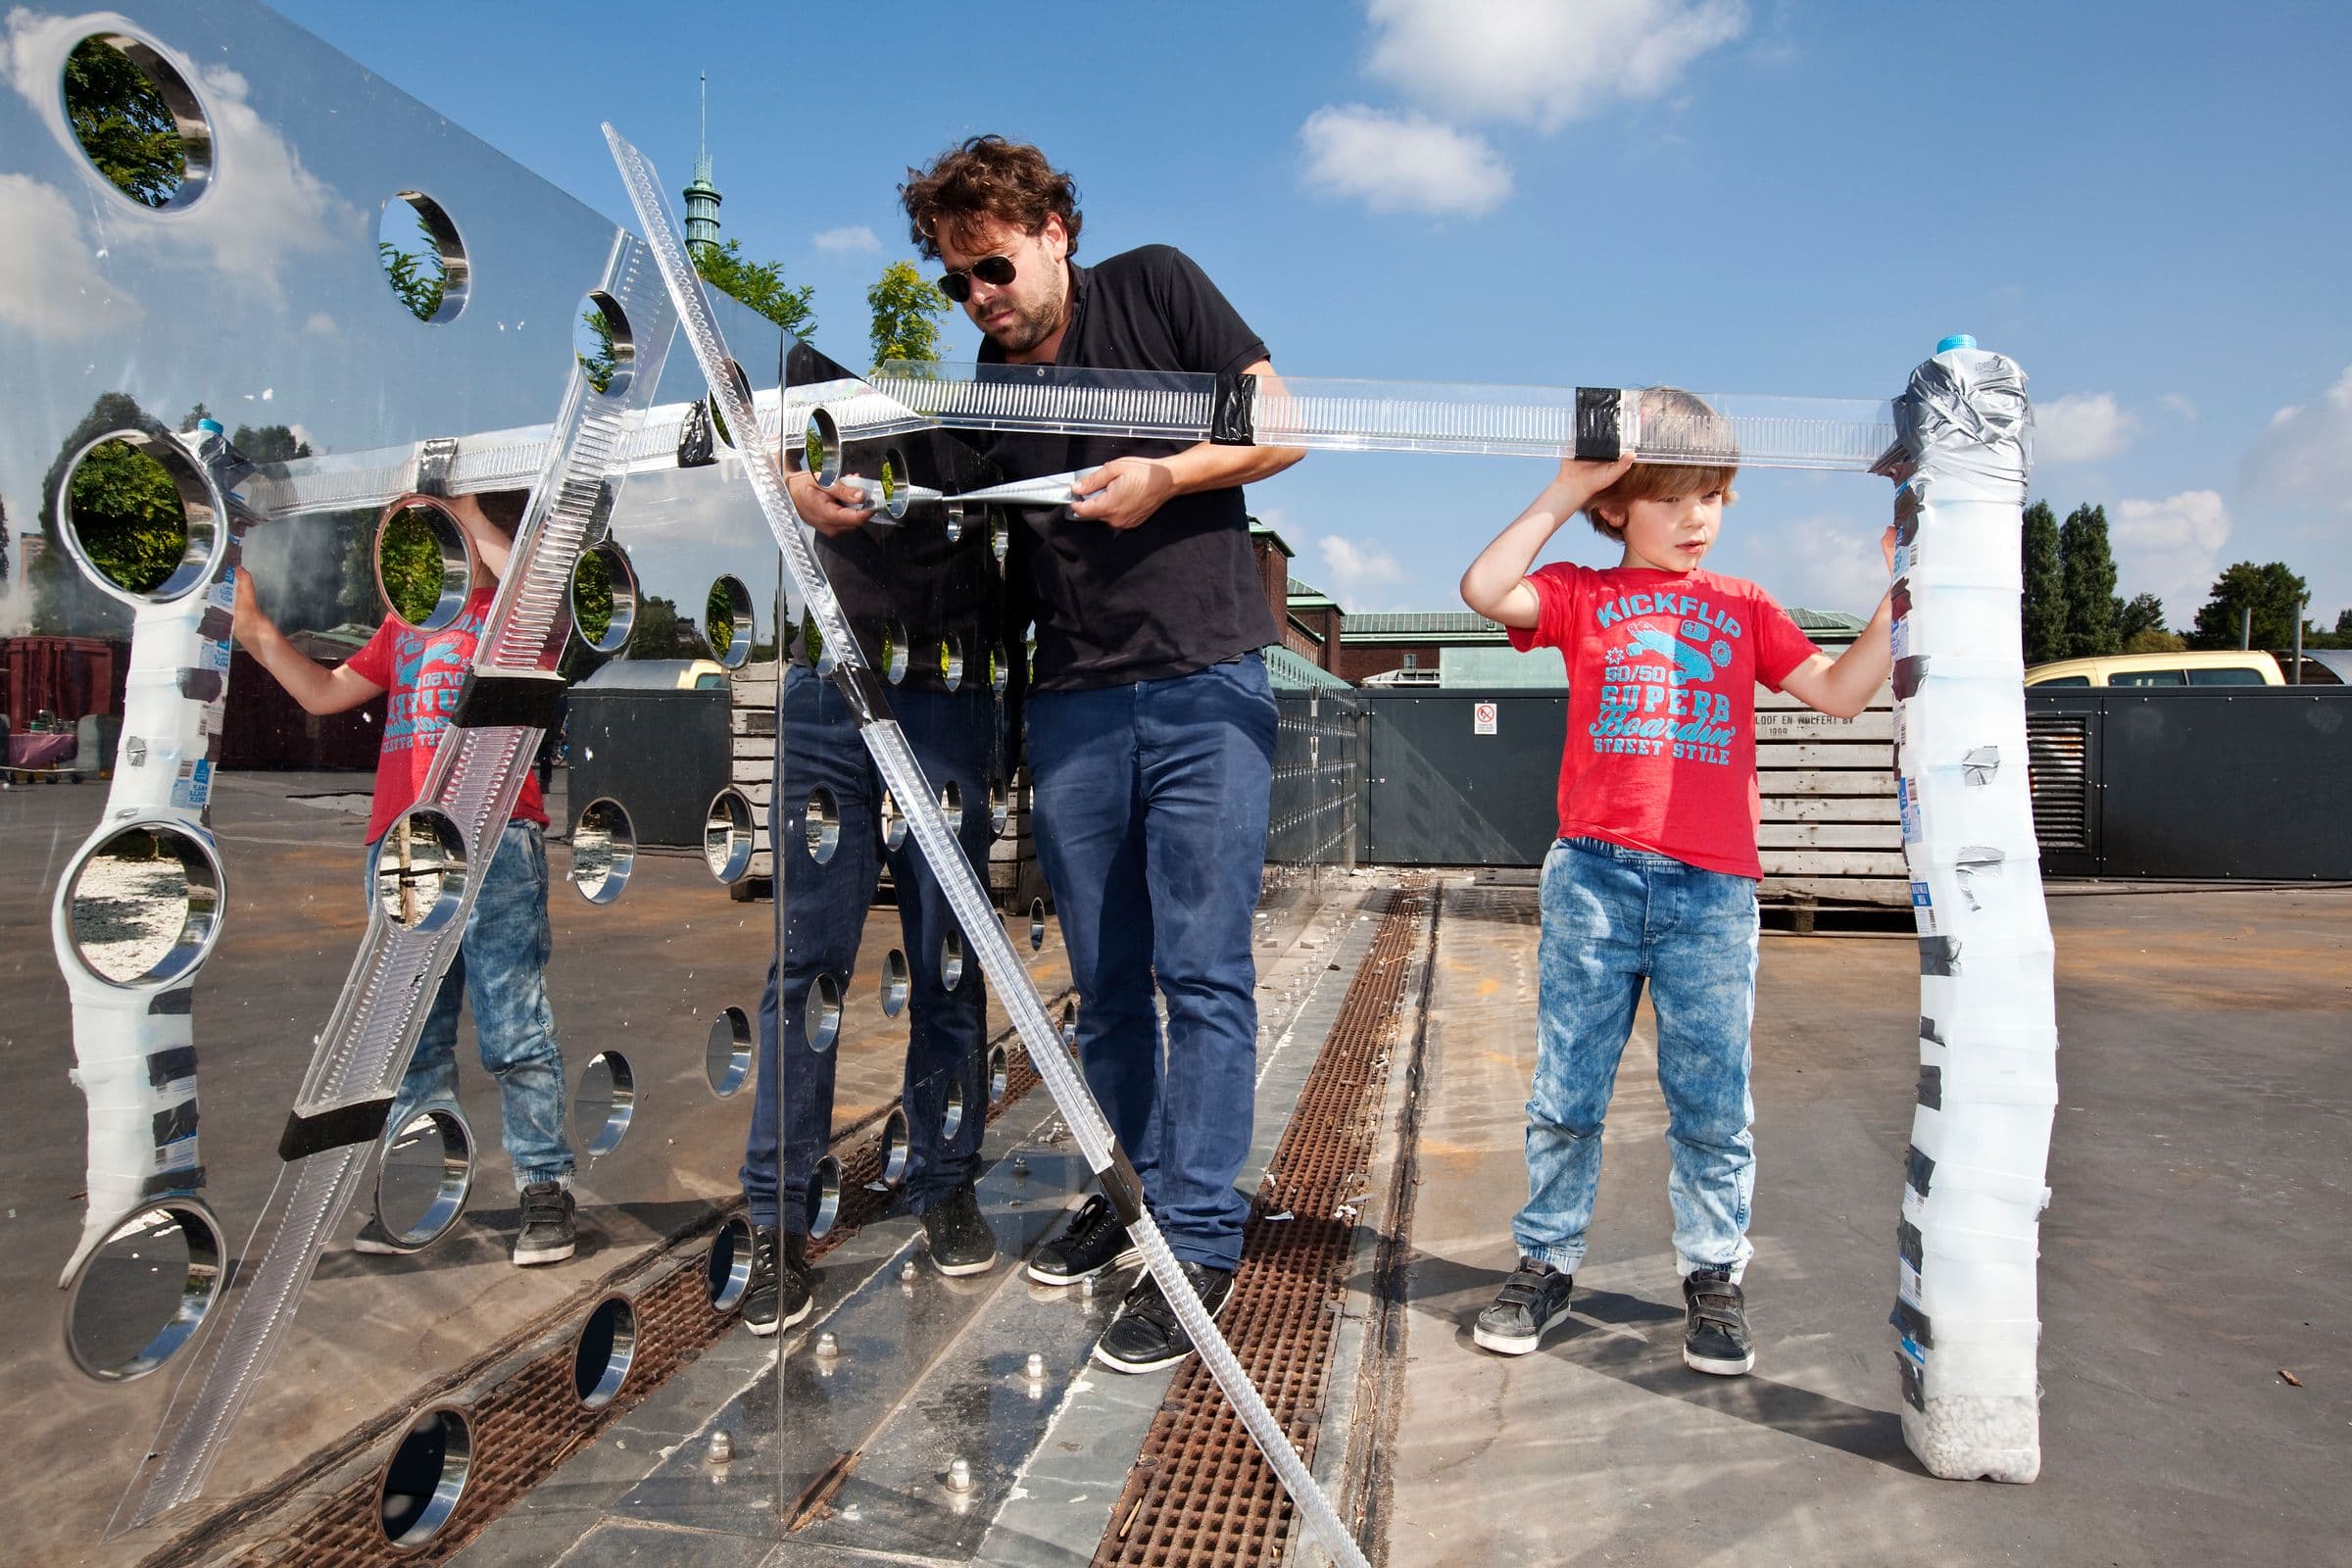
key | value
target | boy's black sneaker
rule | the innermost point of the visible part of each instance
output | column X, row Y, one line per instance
column 961, row 1242
column 1093, row 1240
column 778, row 1294
column 548, row 1232
column 1146, row 1335
column 1715, row 1336
column 1530, row 1302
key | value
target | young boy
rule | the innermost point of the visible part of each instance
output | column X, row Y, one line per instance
column 503, row 954
column 1654, row 873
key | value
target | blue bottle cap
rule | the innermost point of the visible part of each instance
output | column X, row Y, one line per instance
column 211, row 427
column 1958, row 340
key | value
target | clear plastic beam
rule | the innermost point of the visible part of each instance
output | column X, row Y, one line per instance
column 904, row 775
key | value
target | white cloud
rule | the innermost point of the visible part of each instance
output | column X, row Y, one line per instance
column 848, row 241
column 1827, row 563
column 2305, row 456
column 2082, row 427
column 1356, row 573
column 2180, row 406
column 2171, row 548
column 1401, row 162
column 1543, row 61
column 54, row 288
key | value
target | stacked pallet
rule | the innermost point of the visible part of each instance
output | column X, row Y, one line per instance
column 1830, row 830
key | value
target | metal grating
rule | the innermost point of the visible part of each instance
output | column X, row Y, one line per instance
column 1200, row 1495
column 2058, row 757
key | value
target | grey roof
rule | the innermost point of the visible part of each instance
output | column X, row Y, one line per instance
column 1421, row 625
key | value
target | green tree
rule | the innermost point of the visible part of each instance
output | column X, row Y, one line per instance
column 2141, row 624
column 419, row 278
column 2087, row 566
column 267, row 443
column 907, row 308
column 64, row 601
column 599, row 364
column 759, row 286
column 127, row 514
column 2272, row 592
column 2042, row 611
column 124, row 124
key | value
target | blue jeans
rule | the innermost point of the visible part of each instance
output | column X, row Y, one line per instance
column 500, row 970
column 1613, row 916
column 822, row 909
column 1150, row 829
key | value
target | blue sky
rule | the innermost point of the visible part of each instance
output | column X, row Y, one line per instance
column 2147, row 204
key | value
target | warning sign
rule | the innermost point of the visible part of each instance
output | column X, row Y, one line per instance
column 1481, row 718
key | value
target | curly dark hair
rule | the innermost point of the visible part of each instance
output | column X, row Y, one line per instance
column 988, row 178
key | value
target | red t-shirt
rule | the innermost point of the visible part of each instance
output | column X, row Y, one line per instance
column 1662, row 675
column 423, row 670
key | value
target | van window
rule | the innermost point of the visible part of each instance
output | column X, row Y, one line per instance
column 2065, row 680
column 2153, row 678
column 2232, row 675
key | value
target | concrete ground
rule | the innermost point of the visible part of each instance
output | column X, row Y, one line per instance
column 2193, row 1255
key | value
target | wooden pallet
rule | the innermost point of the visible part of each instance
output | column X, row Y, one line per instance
column 1831, row 832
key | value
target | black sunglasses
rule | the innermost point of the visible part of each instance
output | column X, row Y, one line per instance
column 996, row 270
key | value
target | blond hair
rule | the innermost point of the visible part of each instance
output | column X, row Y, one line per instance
column 1674, row 421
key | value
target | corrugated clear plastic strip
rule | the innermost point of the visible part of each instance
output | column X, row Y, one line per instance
column 904, row 778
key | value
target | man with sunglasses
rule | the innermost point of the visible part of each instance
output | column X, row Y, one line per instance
column 1150, row 720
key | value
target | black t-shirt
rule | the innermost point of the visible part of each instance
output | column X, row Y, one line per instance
column 1183, row 591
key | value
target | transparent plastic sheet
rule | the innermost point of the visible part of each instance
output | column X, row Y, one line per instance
column 363, row 1052
column 1364, row 416
column 903, row 776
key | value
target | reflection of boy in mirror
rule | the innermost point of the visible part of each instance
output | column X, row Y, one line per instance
column 931, row 588
column 501, row 957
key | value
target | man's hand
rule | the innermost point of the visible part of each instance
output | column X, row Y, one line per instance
column 843, row 509
column 1124, row 492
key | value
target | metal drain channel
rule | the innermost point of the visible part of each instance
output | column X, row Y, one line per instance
column 1200, row 1495
column 532, row 1420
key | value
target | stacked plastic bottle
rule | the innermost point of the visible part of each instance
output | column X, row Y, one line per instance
column 1969, row 1238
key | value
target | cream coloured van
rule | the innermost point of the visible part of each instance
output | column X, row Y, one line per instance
column 2235, row 667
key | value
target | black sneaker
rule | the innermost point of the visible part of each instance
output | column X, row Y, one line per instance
column 547, row 1227
column 1146, row 1335
column 1715, row 1335
column 777, row 1295
column 960, row 1241
column 377, row 1241
column 1530, row 1302
column 1093, row 1240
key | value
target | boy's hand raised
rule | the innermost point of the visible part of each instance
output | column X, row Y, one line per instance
column 1586, row 479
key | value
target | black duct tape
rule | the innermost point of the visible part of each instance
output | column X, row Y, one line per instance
column 200, row 685
column 175, row 1123
column 1931, row 1088
column 360, row 1123
column 1912, row 1323
column 173, row 1183
column 1910, row 1244
column 216, row 624
column 181, row 1003
column 1919, row 1170
column 1233, row 423
column 1599, row 424
column 1928, row 1030
column 1938, row 955
column 509, row 702
column 1899, row 598
column 1123, row 1187
column 1908, row 673
column 1915, row 1394
column 170, row 1066
column 694, row 438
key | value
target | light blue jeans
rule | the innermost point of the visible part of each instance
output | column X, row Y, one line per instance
column 1612, row 918
column 500, row 970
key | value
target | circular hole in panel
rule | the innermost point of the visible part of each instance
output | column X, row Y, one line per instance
column 950, row 804
column 1037, row 925
column 1069, row 1025
column 718, row 419
column 425, row 1477
column 727, row 1266
column 951, row 1121
column 604, row 598
column 727, row 621
column 895, row 480
column 145, row 1290
column 727, row 1056
column 423, row 563
column 422, row 256
column 137, row 120
column 144, row 906
column 420, row 870
column 1000, row 1076
column 896, row 1147
column 955, row 524
column 950, row 960
column 727, row 835
column 603, row 1104
column 894, row 650
column 600, row 340
column 139, row 517
column 820, row 1014
column 819, row 452
column 824, row 1196
column 999, row 671
column 999, row 807
column 424, row 1177
column 604, row 1352
column 893, row 822
column 821, row 827
column 950, row 662
column 895, row 982
column 602, row 849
